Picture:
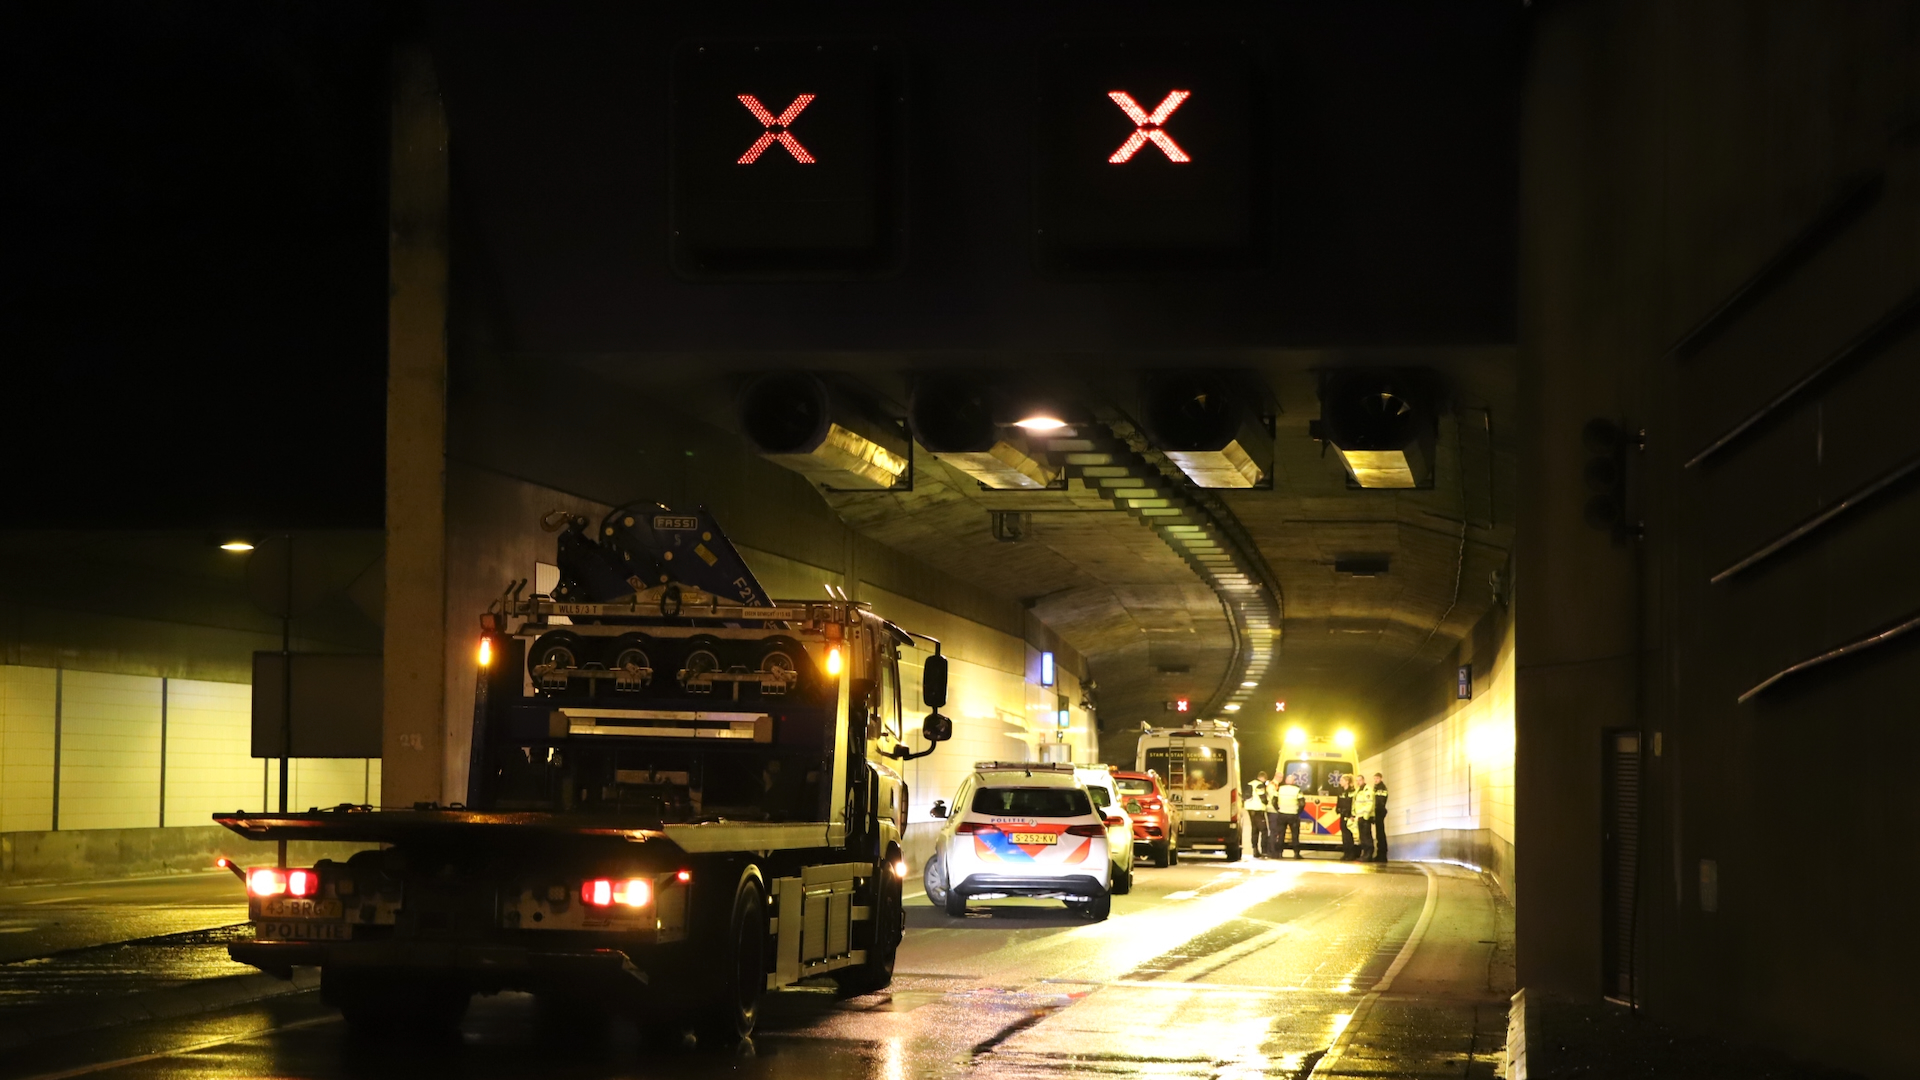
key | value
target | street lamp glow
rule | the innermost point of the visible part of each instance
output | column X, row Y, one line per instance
column 1040, row 422
column 236, row 545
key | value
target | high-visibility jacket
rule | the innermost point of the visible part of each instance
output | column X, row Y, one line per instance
column 1286, row 800
column 1257, row 795
column 1363, row 802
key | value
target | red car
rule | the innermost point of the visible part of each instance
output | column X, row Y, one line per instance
column 1143, row 798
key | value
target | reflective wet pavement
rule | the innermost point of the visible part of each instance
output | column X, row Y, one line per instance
column 37, row 920
column 1206, row 970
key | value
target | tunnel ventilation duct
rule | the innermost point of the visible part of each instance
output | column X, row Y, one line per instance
column 957, row 422
column 795, row 420
column 1382, row 425
column 1209, row 430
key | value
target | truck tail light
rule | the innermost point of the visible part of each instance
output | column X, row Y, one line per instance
column 1086, row 830
column 266, row 881
column 606, row 892
column 302, row 883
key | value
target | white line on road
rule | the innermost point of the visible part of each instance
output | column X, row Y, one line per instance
column 1359, row 1015
column 103, row 1066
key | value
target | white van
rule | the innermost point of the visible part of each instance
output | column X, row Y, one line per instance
column 1200, row 766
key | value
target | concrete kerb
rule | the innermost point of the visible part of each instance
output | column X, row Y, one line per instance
column 188, row 999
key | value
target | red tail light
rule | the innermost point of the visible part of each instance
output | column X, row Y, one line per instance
column 1086, row 830
column 266, row 881
column 606, row 892
column 302, row 883
column 1115, row 821
column 974, row 827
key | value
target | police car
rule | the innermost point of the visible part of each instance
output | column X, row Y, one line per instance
column 1024, row 829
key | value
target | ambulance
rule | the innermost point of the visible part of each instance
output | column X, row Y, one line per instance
column 1199, row 764
column 1318, row 762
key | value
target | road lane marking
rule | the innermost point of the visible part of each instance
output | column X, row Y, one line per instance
column 1343, row 1037
column 180, row 1051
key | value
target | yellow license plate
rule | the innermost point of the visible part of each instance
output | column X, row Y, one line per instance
column 1032, row 837
column 295, row 908
column 301, row 930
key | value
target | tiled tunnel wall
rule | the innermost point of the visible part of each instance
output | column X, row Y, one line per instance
column 117, row 742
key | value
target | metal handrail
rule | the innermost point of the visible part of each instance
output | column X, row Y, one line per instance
column 1847, row 502
column 1912, row 622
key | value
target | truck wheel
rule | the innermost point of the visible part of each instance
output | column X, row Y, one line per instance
column 1233, row 852
column 729, row 1017
column 1162, row 854
column 889, row 921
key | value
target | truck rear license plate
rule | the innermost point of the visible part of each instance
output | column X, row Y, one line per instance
column 294, row 908
column 1032, row 837
column 301, row 930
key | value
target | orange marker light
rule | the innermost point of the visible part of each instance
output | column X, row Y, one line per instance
column 684, row 876
column 834, row 662
column 486, row 651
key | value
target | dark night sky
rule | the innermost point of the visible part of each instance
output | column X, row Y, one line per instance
column 196, row 264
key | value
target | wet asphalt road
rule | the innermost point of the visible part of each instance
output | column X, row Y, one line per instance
column 36, row 920
column 1213, row 970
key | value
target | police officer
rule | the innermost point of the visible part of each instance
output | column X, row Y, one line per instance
column 1363, row 819
column 1379, row 819
column 1257, row 796
column 1284, row 808
column 1343, row 805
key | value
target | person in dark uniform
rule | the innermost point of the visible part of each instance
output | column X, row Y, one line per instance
column 1257, row 796
column 1343, row 805
column 1379, row 820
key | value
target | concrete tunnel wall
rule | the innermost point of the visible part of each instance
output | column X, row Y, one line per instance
column 1450, row 777
column 1671, row 152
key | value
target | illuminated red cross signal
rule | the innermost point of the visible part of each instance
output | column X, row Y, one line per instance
column 1147, row 127
column 776, row 129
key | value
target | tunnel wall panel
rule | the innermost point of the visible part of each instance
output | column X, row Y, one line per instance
column 1671, row 153
column 1450, row 779
column 26, row 748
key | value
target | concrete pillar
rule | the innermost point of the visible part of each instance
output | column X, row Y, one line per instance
column 413, row 742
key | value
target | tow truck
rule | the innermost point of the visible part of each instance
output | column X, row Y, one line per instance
column 681, row 795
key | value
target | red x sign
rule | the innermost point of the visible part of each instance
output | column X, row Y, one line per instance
column 777, row 129
column 1147, row 127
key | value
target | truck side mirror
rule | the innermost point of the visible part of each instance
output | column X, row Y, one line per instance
column 933, row 682
column 936, row 728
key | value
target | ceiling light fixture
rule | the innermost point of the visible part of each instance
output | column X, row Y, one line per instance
column 1248, row 685
column 1040, row 423
column 236, row 545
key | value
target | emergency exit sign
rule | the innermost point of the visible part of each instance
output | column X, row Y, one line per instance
column 1149, row 156
column 787, row 159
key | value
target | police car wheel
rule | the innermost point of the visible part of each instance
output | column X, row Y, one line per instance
column 1100, row 907
column 935, row 881
column 956, row 904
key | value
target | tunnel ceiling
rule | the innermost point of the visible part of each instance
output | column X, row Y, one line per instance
column 1151, row 628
